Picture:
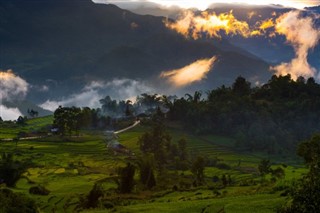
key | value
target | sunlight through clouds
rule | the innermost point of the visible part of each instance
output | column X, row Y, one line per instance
column 204, row 4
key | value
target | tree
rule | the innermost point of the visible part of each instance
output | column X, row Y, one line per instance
column 94, row 195
column 67, row 119
column 146, row 166
column 264, row 167
column 182, row 149
column 197, row 169
column 126, row 178
column 154, row 142
column 278, row 173
column 224, row 180
column 10, row 170
column 305, row 194
column 16, row 202
column 241, row 86
column 33, row 113
column 108, row 105
column 128, row 111
column 21, row 120
column 196, row 98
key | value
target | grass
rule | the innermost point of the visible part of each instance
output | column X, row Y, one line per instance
column 32, row 125
column 69, row 167
column 181, row 202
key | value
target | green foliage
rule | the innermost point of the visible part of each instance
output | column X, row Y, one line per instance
column 305, row 194
column 39, row 190
column 126, row 178
column 241, row 87
column 21, row 120
column 182, row 149
column 146, row 167
column 197, row 169
column 11, row 202
column 72, row 119
column 272, row 118
column 264, row 167
column 157, row 141
column 10, row 170
column 278, row 173
column 92, row 199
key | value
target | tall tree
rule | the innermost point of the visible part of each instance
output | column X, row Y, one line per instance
column 126, row 178
column 147, row 168
column 241, row 86
column 305, row 195
column 197, row 169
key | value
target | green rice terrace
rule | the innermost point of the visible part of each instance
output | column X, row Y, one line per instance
column 69, row 167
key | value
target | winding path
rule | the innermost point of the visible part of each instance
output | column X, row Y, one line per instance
column 129, row 127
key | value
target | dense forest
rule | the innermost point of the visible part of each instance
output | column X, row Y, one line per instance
column 271, row 118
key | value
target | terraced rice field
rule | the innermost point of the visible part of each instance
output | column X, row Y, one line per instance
column 69, row 168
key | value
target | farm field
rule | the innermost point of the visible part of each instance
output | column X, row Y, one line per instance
column 70, row 166
column 32, row 125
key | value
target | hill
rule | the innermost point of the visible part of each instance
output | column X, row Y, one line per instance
column 67, row 44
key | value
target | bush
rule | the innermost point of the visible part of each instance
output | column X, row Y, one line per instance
column 16, row 203
column 223, row 166
column 39, row 190
column 10, row 170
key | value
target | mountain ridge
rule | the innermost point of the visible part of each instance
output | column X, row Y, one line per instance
column 75, row 42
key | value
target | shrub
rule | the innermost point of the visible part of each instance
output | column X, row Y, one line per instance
column 16, row 203
column 223, row 166
column 39, row 190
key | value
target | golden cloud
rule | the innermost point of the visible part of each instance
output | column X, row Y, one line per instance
column 191, row 73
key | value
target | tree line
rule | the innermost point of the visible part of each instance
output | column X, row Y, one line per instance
column 273, row 117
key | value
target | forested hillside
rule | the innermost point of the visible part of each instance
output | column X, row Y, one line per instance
column 271, row 118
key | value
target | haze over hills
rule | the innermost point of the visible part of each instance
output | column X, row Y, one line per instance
column 74, row 52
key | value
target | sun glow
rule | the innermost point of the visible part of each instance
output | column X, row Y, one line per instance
column 204, row 4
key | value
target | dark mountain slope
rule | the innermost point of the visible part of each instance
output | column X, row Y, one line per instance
column 72, row 42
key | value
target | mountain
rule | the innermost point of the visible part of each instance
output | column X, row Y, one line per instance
column 66, row 44
column 24, row 106
column 274, row 50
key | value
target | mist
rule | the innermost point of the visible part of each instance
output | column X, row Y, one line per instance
column 89, row 96
column 303, row 36
column 9, row 113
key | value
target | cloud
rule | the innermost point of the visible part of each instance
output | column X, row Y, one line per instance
column 119, row 89
column 12, row 86
column 189, row 74
column 9, row 113
column 204, row 4
column 209, row 24
column 303, row 36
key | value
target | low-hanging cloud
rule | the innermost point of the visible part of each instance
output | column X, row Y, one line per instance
column 191, row 73
column 12, row 86
column 119, row 89
column 303, row 36
column 9, row 113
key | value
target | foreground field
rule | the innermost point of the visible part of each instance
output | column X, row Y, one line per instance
column 70, row 166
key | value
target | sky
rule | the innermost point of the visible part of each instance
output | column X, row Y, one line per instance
column 203, row 4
